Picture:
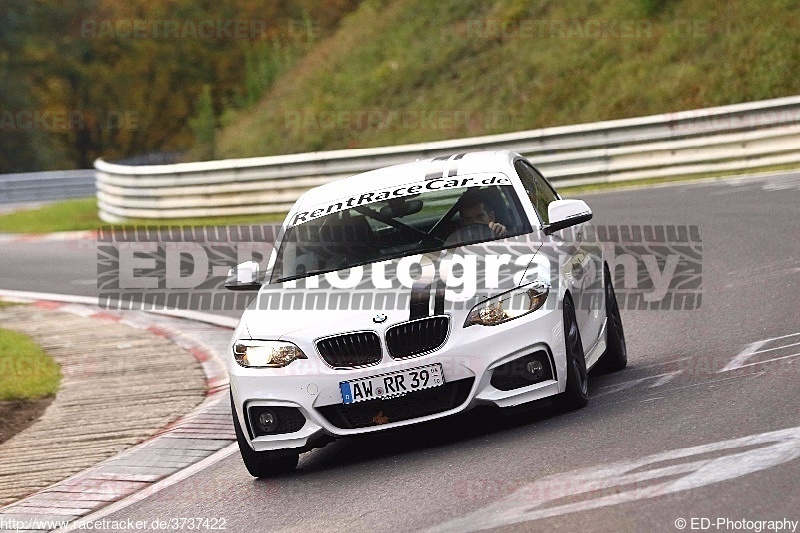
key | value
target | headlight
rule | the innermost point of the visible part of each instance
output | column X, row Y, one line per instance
column 266, row 354
column 509, row 305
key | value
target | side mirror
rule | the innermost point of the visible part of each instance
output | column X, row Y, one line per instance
column 244, row 277
column 566, row 213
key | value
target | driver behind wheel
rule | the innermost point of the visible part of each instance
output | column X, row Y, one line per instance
column 474, row 210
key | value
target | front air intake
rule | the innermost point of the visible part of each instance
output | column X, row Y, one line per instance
column 522, row 372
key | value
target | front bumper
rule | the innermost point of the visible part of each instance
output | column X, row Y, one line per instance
column 468, row 359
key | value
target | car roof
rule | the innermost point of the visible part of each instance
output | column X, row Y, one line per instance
column 405, row 173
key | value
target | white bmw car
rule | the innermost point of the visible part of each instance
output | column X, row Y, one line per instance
column 415, row 292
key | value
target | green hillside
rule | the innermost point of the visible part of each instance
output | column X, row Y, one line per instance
column 419, row 70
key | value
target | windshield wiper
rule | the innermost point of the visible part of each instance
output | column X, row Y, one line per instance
column 301, row 276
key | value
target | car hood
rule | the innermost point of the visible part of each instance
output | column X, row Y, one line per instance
column 265, row 325
column 377, row 296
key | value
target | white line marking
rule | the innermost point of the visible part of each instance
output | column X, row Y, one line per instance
column 26, row 296
column 701, row 383
column 87, row 282
column 632, row 480
column 767, row 361
column 783, row 337
column 208, row 318
column 660, row 379
column 743, row 356
column 777, row 348
column 154, row 488
column 720, row 380
column 672, row 361
column 754, row 348
column 665, row 378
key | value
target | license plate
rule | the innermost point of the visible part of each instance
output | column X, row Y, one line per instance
column 392, row 385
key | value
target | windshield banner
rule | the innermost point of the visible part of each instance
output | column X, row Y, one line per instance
column 477, row 180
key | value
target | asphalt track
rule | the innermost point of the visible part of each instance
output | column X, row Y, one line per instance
column 703, row 424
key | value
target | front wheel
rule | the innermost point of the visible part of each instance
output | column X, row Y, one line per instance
column 263, row 464
column 576, row 394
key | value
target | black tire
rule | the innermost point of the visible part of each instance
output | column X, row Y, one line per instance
column 615, row 357
column 263, row 464
column 576, row 394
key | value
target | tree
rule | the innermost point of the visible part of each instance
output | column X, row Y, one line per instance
column 120, row 92
column 25, row 145
column 204, row 126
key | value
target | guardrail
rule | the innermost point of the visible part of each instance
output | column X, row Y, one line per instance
column 731, row 138
column 46, row 186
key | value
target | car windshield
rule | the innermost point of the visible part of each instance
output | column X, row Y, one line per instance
column 395, row 227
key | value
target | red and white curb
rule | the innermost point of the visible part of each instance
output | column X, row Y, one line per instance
column 195, row 441
column 60, row 236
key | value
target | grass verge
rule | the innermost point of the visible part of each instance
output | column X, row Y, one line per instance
column 81, row 214
column 69, row 215
column 26, row 371
column 415, row 70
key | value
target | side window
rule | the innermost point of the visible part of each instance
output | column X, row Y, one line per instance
column 538, row 190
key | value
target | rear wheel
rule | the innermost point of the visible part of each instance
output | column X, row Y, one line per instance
column 263, row 464
column 616, row 356
column 576, row 394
